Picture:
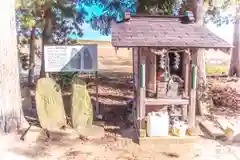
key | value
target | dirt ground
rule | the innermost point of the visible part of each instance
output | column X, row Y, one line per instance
column 68, row 146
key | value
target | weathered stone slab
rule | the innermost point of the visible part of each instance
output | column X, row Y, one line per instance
column 224, row 123
column 49, row 104
column 82, row 109
column 212, row 129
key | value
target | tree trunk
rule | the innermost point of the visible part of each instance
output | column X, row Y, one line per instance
column 197, row 6
column 46, row 37
column 10, row 97
column 32, row 56
column 42, row 69
column 199, row 14
column 235, row 58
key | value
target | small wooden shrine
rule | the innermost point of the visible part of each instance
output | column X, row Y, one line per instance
column 164, row 62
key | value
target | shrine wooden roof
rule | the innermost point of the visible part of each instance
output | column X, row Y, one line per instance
column 163, row 32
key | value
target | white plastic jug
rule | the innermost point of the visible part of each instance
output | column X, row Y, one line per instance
column 157, row 124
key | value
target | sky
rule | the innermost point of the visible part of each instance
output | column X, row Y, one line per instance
column 90, row 34
column 225, row 31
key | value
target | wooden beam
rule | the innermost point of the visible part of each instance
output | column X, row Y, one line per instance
column 184, row 109
column 142, row 110
column 97, row 109
column 166, row 101
column 151, row 73
column 135, row 92
column 142, row 93
column 136, row 62
column 186, row 71
column 192, row 107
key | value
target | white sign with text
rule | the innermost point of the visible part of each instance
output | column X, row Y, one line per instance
column 71, row 58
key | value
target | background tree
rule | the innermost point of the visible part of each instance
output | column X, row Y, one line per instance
column 10, row 98
column 27, row 32
column 48, row 19
column 234, row 68
column 105, row 12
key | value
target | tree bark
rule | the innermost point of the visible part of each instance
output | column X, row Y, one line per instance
column 46, row 37
column 201, row 65
column 10, row 98
column 234, row 68
column 42, row 69
column 199, row 14
column 32, row 56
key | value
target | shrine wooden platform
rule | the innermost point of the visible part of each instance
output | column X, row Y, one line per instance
column 166, row 101
column 163, row 140
column 143, row 139
column 168, row 140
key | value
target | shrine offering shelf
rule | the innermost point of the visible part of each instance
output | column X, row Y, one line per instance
column 166, row 101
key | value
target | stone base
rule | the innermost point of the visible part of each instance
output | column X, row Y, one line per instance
column 93, row 132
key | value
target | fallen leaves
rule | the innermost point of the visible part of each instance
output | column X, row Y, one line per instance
column 226, row 94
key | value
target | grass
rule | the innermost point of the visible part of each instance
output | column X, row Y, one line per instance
column 216, row 69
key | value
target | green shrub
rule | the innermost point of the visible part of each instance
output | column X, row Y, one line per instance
column 64, row 79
